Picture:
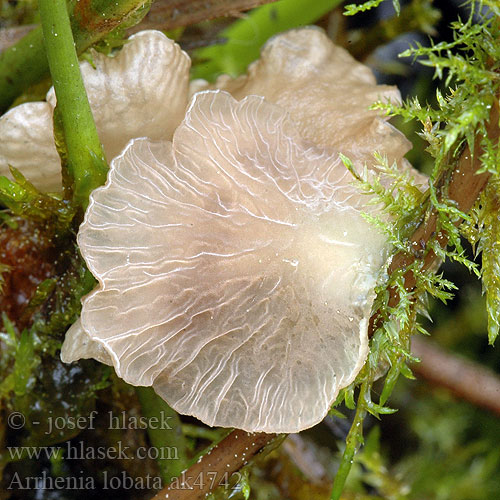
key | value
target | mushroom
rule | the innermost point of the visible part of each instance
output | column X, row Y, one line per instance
column 236, row 271
column 143, row 92
column 128, row 95
column 328, row 95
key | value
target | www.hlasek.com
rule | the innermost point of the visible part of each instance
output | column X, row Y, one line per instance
column 80, row 451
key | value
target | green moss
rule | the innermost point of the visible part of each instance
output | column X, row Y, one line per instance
column 352, row 9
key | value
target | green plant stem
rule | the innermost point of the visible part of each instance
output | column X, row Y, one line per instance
column 25, row 63
column 85, row 156
column 246, row 36
column 167, row 435
column 22, row 65
column 354, row 439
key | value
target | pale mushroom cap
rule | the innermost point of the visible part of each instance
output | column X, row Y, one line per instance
column 236, row 272
column 327, row 93
column 78, row 345
column 27, row 143
column 141, row 92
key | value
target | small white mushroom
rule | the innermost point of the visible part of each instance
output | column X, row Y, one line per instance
column 236, row 273
column 327, row 93
column 143, row 91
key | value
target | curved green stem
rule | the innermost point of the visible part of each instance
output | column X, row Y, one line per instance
column 354, row 439
column 85, row 156
column 25, row 63
column 22, row 65
column 246, row 36
column 165, row 433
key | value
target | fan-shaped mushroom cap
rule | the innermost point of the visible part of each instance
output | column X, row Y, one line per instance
column 326, row 91
column 140, row 92
column 236, row 272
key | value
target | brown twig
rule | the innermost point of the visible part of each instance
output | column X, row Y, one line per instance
column 465, row 378
column 164, row 15
column 463, row 187
column 171, row 14
column 217, row 467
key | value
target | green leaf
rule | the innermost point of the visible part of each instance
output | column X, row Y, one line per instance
column 489, row 245
column 390, row 382
column 24, row 199
column 245, row 37
column 244, row 484
column 164, row 437
column 335, row 413
column 349, row 397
